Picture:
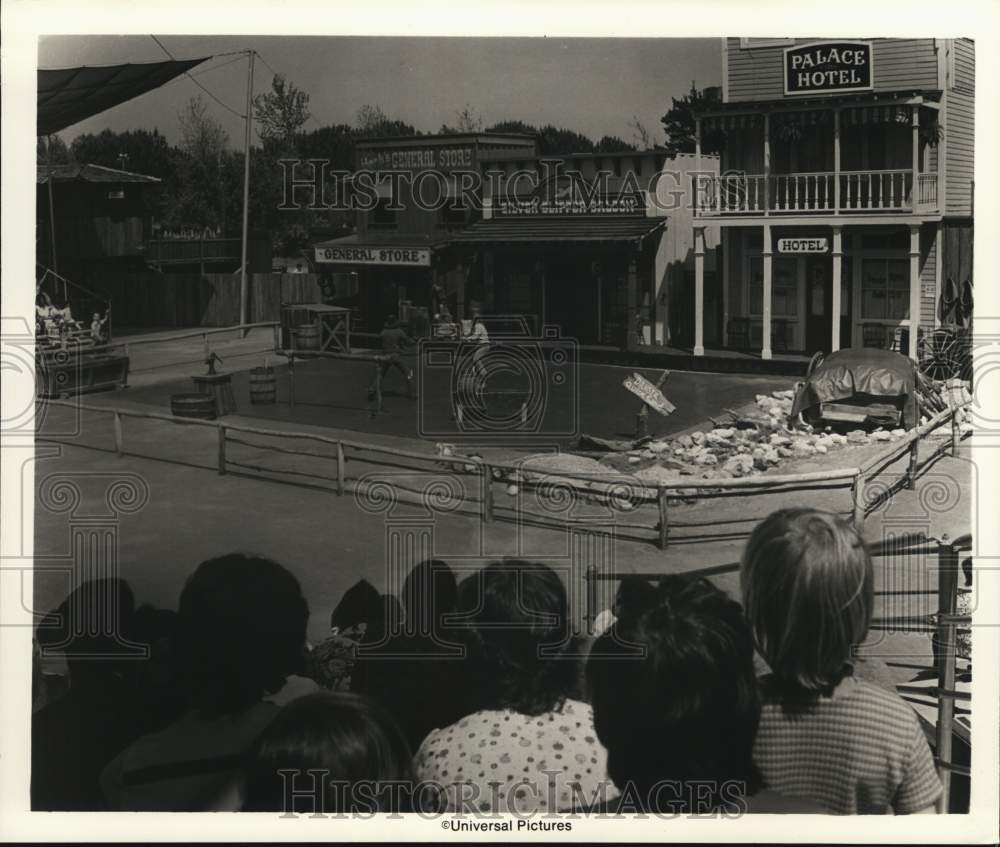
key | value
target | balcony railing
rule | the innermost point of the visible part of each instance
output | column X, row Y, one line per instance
column 814, row 193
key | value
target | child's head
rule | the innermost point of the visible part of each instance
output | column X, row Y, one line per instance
column 350, row 738
column 685, row 709
column 806, row 577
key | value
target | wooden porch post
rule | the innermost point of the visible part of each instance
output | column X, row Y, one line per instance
column 914, row 288
column 838, row 255
column 836, row 168
column 767, row 169
column 699, row 291
column 765, row 350
column 696, row 187
column 915, row 160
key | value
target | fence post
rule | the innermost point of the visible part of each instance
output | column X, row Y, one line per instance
column 911, row 470
column 222, row 450
column 340, row 467
column 487, row 494
column 119, row 441
column 378, row 388
column 954, row 431
column 661, row 498
column 590, row 613
column 945, row 657
column 858, row 500
column 276, row 336
column 291, row 379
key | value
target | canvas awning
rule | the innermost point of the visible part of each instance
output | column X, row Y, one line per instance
column 540, row 229
column 70, row 95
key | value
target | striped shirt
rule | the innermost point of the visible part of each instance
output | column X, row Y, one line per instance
column 860, row 751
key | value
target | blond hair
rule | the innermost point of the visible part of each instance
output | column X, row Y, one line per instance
column 807, row 584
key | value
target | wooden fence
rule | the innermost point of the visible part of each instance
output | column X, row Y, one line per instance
column 578, row 486
column 148, row 298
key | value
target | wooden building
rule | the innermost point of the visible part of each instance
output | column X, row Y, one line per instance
column 102, row 217
column 399, row 250
column 597, row 244
column 845, row 197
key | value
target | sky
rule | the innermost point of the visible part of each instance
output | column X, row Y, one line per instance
column 594, row 86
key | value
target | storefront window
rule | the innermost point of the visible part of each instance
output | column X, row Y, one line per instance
column 784, row 287
column 885, row 289
column 382, row 217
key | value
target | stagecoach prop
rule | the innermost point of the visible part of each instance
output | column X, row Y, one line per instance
column 859, row 387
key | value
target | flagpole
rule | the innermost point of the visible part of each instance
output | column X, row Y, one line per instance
column 244, row 310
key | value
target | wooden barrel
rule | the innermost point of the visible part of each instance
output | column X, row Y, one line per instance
column 306, row 337
column 193, row 406
column 262, row 385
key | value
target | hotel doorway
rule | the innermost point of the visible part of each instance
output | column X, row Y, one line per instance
column 819, row 304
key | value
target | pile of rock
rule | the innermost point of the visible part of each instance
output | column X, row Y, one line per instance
column 762, row 441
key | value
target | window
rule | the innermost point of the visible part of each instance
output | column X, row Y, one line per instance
column 750, row 43
column 382, row 217
column 784, row 288
column 885, row 289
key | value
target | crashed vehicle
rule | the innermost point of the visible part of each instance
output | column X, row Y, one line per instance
column 859, row 387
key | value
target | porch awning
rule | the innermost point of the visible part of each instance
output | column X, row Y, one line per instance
column 867, row 107
column 539, row 229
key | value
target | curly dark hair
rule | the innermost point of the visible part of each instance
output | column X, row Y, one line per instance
column 674, row 692
column 514, row 622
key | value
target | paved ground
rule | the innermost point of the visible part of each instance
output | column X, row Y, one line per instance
column 192, row 513
column 333, row 393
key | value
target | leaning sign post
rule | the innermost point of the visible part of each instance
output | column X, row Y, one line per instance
column 651, row 396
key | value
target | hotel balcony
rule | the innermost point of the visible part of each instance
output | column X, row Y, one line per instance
column 819, row 193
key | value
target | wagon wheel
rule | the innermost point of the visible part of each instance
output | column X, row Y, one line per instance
column 814, row 363
column 944, row 354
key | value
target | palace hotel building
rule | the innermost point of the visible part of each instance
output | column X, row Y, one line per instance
column 844, row 199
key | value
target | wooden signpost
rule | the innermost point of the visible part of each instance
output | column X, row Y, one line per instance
column 651, row 396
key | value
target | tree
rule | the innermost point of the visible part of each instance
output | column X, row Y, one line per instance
column 140, row 151
column 201, row 199
column 613, row 144
column 280, row 113
column 554, row 140
column 52, row 150
column 679, row 122
column 640, row 135
column 372, row 121
column 468, row 121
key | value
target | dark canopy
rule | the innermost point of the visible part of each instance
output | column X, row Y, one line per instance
column 70, row 95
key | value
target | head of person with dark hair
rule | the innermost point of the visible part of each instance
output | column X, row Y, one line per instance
column 430, row 592
column 516, row 631
column 361, row 604
column 362, row 754
column 241, row 631
column 91, row 628
column 391, row 322
column 675, row 700
column 525, row 741
column 634, row 594
column 808, row 591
